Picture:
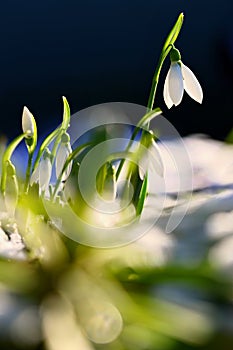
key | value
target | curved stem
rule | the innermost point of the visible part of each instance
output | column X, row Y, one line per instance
column 45, row 143
column 155, row 79
column 7, row 156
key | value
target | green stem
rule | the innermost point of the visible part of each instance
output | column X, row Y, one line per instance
column 155, row 79
column 141, row 124
column 6, row 157
column 45, row 143
column 122, row 162
column 28, row 172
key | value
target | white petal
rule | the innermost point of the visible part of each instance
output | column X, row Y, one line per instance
column 143, row 166
column 191, row 84
column 62, row 154
column 151, row 156
column 166, row 96
column 45, row 171
column 157, row 159
column 35, row 176
column 175, row 83
column 27, row 122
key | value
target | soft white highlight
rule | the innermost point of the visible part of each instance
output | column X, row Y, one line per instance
column 178, row 79
column 28, row 122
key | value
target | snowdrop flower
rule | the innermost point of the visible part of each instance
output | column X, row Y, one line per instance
column 180, row 78
column 45, row 170
column 28, row 122
column 152, row 155
column 35, row 176
column 63, row 152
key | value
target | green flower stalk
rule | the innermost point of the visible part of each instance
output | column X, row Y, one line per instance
column 7, row 158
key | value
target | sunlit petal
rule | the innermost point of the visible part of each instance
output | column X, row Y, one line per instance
column 191, row 84
column 45, row 171
column 35, row 176
column 175, row 83
column 62, row 154
column 27, row 122
column 166, row 96
column 157, row 159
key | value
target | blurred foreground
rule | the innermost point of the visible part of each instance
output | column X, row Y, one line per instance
column 162, row 292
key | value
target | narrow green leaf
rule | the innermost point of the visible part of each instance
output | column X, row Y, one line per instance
column 34, row 143
column 135, row 180
column 100, row 178
column 45, row 144
column 142, row 196
column 148, row 117
column 106, row 181
column 172, row 36
column 66, row 114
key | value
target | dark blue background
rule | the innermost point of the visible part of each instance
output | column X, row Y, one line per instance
column 102, row 51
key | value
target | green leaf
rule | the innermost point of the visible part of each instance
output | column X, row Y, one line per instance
column 172, row 36
column 34, row 143
column 106, row 181
column 45, row 144
column 66, row 114
column 142, row 196
column 148, row 117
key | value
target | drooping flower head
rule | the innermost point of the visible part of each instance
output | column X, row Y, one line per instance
column 178, row 79
column 45, row 170
column 63, row 153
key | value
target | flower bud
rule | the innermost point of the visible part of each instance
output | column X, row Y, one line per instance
column 28, row 123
